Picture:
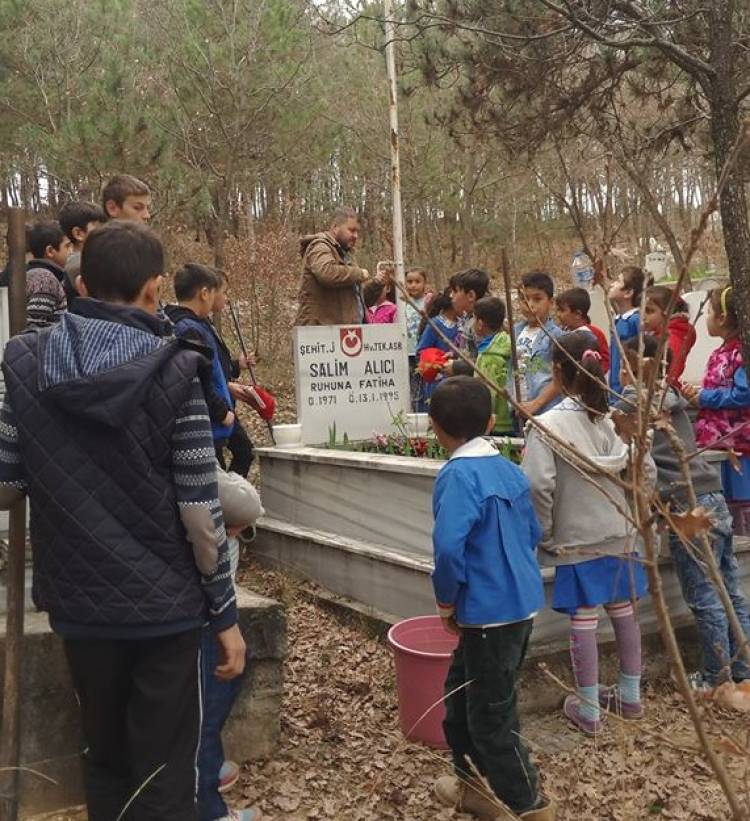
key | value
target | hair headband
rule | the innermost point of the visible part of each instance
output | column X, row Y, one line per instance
column 724, row 295
column 590, row 353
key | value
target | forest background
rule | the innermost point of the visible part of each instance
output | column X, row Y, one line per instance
column 252, row 119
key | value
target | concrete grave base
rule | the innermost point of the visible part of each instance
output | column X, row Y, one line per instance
column 51, row 742
column 359, row 524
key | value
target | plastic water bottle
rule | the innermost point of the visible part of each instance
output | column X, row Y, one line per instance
column 581, row 270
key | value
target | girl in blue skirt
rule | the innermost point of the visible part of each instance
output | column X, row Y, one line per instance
column 585, row 537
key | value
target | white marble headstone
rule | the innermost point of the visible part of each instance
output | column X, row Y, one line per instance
column 354, row 377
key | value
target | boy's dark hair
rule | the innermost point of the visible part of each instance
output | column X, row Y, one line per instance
column 122, row 186
column 577, row 299
column 462, row 406
column 635, row 279
column 79, row 215
column 650, row 346
column 372, row 291
column 539, row 280
column 491, row 311
column 192, row 277
column 723, row 303
column 118, row 259
column 472, row 279
column 41, row 234
column 660, row 295
column 579, row 372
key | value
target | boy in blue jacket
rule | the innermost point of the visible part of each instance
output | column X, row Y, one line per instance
column 625, row 296
column 488, row 588
column 195, row 287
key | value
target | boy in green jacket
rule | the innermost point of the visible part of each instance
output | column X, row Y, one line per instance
column 493, row 359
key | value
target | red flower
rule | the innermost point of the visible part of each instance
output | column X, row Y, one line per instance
column 431, row 362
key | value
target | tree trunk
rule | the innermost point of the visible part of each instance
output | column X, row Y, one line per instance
column 652, row 206
column 725, row 129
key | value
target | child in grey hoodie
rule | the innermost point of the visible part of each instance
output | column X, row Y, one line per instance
column 721, row 658
column 593, row 550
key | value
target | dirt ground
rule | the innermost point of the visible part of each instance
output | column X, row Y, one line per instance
column 342, row 755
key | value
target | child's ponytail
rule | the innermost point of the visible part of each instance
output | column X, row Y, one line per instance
column 724, row 304
column 582, row 376
column 439, row 303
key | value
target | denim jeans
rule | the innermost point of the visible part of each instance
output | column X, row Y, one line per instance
column 218, row 698
column 481, row 719
column 718, row 641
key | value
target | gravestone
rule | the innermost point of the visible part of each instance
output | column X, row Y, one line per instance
column 351, row 378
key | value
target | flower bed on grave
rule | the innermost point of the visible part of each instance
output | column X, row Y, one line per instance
column 403, row 443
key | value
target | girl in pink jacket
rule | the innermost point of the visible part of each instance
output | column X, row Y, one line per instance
column 724, row 398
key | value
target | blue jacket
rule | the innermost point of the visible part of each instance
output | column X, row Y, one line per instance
column 485, row 538
column 627, row 326
column 189, row 325
column 430, row 339
column 538, row 374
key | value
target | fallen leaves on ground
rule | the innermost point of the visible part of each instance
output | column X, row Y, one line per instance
column 342, row 755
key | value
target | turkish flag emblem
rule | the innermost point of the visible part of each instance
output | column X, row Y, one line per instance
column 351, row 341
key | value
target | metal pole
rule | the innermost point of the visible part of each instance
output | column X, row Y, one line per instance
column 398, row 222
column 10, row 739
column 511, row 330
column 238, row 333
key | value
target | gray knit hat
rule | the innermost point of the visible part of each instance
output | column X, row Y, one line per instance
column 239, row 499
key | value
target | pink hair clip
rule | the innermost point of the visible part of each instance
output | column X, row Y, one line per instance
column 590, row 353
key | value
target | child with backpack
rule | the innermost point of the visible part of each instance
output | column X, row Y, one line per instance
column 721, row 660
column 572, row 313
column 680, row 330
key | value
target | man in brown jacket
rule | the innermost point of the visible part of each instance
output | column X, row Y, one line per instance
column 331, row 289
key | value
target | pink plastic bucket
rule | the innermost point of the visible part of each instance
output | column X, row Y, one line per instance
column 422, row 648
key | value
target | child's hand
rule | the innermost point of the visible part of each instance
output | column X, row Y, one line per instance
column 449, row 623
column 232, row 652
column 246, row 362
column 691, row 393
column 228, row 419
column 447, row 369
column 237, row 390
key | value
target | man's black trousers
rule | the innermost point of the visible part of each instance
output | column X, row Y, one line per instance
column 140, row 710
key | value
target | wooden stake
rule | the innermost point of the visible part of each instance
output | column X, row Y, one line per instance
column 10, row 739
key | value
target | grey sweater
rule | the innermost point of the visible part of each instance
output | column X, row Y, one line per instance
column 669, row 479
column 579, row 522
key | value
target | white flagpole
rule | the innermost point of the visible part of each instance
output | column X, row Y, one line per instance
column 398, row 223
